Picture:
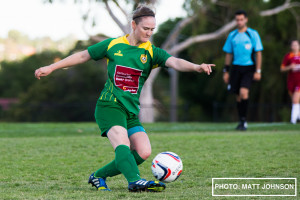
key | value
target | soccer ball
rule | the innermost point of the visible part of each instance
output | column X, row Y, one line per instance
column 166, row 167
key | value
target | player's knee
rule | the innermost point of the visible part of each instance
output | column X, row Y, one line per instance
column 296, row 97
column 145, row 154
column 295, row 101
column 118, row 136
column 244, row 94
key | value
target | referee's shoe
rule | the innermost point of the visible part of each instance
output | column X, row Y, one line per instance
column 242, row 126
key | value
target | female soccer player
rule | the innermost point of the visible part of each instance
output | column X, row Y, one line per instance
column 291, row 64
column 130, row 60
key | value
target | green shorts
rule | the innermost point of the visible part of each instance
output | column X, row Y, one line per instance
column 111, row 113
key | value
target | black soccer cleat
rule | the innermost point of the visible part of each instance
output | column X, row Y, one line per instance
column 146, row 186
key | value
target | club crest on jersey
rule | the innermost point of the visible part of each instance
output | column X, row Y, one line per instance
column 143, row 58
column 118, row 53
column 248, row 46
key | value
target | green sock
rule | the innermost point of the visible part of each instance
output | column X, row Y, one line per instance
column 108, row 170
column 126, row 163
column 111, row 170
column 137, row 157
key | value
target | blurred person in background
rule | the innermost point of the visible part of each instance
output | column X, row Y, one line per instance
column 243, row 51
column 291, row 64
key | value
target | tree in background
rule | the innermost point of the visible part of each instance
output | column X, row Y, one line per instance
column 68, row 95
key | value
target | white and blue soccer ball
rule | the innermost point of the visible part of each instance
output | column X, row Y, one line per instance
column 166, row 167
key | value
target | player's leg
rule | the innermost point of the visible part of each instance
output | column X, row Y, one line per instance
column 111, row 170
column 293, row 92
column 112, row 120
column 295, row 114
column 126, row 163
column 141, row 149
column 117, row 136
column 298, row 104
column 134, row 125
column 139, row 141
column 140, row 146
column 124, row 160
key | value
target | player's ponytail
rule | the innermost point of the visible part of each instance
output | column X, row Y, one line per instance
column 142, row 11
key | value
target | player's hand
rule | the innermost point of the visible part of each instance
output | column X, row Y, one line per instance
column 206, row 68
column 292, row 67
column 257, row 76
column 226, row 77
column 43, row 71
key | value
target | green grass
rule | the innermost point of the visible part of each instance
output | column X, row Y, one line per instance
column 54, row 160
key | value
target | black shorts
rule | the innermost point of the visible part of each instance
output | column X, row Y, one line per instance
column 240, row 76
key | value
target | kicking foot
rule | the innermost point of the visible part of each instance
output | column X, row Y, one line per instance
column 147, row 186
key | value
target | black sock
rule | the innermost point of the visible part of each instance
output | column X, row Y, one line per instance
column 238, row 105
column 243, row 109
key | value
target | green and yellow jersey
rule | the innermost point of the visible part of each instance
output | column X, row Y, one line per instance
column 128, row 68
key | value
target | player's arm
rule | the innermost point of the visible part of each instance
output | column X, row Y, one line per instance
column 287, row 68
column 257, row 74
column 228, row 60
column 185, row 66
column 69, row 61
column 286, row 65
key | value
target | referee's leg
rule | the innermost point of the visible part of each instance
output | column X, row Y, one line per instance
column 243, row 94
column 242, row 98
column 242, row 106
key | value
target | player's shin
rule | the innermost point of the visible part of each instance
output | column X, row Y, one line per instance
column 126, row 163
column 111, row 170
column 295, row 113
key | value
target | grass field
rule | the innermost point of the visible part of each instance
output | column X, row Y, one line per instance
column 54, row 160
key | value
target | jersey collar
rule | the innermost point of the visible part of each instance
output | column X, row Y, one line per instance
column 145, row 45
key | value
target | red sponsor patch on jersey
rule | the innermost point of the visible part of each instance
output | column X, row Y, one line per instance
column 127, row 79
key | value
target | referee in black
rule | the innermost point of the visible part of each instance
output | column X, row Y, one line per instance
column 243, row 51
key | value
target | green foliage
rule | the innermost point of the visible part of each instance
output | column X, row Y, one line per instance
column 54, row 160
column 17, row 77
column 65, row 95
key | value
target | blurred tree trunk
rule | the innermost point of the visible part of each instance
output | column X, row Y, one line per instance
column 147, row 112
